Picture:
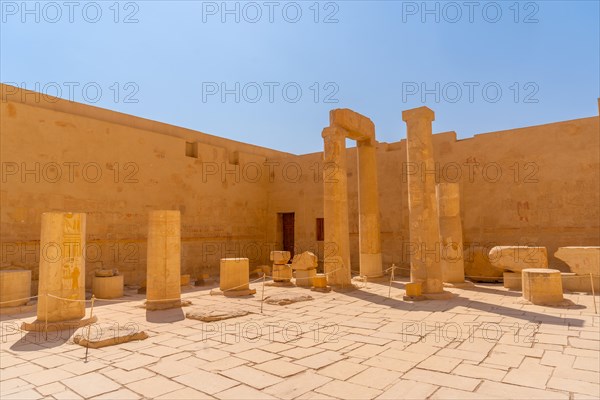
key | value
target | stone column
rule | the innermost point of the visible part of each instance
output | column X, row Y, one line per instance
column 62, row 267
column 163, row 273
column 335, row 193
column 425, row 265
column 448, row 195
column 368, row 206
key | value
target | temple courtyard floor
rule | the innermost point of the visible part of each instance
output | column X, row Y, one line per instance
column 362, row 344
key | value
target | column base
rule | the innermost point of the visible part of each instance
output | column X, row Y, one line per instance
column 371, row 265
column 463, row 284
column 233, row 293
column 157, row 305
column 431, row 296
column 440, row 296
column 40, row 326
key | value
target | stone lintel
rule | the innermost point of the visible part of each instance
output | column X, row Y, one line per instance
column 333, row 131
column 358, row 126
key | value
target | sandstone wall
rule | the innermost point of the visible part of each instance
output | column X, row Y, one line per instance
column 537, row 185
column 63, row 156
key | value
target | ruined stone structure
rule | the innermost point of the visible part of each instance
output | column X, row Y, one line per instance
column 164, row 259
column 533, row 186
column 62, row 267
column 344, row 124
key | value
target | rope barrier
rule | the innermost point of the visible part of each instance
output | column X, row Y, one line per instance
column 24, row 298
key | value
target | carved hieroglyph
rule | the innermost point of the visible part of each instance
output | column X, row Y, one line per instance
column 453, row 266
column 62, row 267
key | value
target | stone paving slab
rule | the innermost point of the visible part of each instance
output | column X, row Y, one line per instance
column 483, row 344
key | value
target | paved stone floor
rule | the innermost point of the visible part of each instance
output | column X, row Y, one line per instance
column 485, row 343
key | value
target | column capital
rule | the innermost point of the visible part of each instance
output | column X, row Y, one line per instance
column 425, row 113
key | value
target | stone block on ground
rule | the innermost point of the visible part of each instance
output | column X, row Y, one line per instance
column 581, row 260
column 287, row 298
column 280, row 257
column 103, row 335
column 477, row 265
column 542, row 286
column 108, row 287
column 304, row 278
column 518, row 258
column 282, row 273
column 211, row 315
column 304, row 261
column 234, row 274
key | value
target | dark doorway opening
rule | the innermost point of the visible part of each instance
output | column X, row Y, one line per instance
column 287, row 224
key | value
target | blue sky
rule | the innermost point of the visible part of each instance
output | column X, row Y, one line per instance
column 271, row 77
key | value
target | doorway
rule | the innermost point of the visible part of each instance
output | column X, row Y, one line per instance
column 287, row 225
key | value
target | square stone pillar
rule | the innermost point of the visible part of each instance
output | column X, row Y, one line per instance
column 453, row 265
column 163, row 272
column 368, row 205
column 62, row 267
column 425, row 262
column 335, row 193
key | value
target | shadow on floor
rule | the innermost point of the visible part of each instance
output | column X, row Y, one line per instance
column 434, row 305
column 162, row 316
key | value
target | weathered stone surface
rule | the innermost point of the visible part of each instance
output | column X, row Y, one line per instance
column 108, row 287
column 581, row 260
column 103, row 335
column 453, row 266
column 425, row 264
column 320, row 281
column 571, row 282
column 235, row 273
column 369, row 236
column 165, row 305
column 185, row 280
column 335, row 207
column 163, row 273
column 105, row 273
column 542, row 286
column 580, row 283
column 210, row 315
column 15, row 287
column 304, row 278
column 282, row 273
column 477, row 265
column 518, row 258
column 62, row 267
column 280, row 257
column 357, row 125
column 304, row 261
column 286, row 298
column 512, row 280
column 70, row 325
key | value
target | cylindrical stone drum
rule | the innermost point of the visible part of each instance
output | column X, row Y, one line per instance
column 109, row 287
column 320, row 281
